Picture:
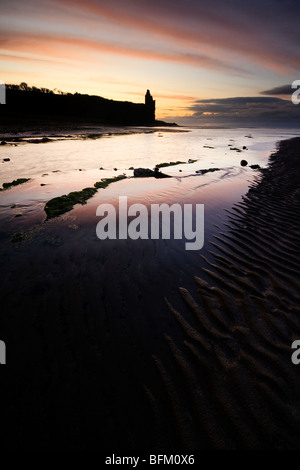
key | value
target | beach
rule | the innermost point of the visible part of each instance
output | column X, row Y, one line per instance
column 140, row 344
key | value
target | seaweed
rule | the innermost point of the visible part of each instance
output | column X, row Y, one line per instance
column 106, row 181
column 207, row 170
column 162, row 165
column 14, row 183
column 18, row 237
column 61, row 204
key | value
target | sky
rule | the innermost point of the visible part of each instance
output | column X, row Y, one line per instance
column 207, row 63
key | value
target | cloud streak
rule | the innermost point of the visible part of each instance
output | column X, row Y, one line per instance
column 279, row 91
column 221, row 26
column 182, row 48
column 244, row 111
column 219, row 35
column 66, row 47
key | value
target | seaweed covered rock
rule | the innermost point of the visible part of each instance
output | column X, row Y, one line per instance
column 60, row 205
column 14, row 183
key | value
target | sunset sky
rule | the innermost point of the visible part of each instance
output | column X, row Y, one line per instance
column 206, row 63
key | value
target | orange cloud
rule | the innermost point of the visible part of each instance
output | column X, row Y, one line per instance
column 216, row 33
column 68, row 47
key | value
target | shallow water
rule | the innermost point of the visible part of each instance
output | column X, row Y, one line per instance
column 61, row 166
column 54, row 170
column 29, row 160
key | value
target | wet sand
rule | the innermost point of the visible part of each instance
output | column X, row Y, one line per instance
column 242, row 390
column 146, row 346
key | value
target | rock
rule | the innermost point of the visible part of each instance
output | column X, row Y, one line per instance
column 15, row 183
column 146, row 172
column 115, row 169
column 255, row 167
column 131, row 168
column 101, row 168
column 244, row 147
column 141, row 172
column 3, row 142
column 6, row 159
column 244, row 163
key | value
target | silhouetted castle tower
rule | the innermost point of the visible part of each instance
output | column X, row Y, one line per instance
column 150, row 107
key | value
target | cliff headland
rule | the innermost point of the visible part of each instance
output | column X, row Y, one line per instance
column 29, row 105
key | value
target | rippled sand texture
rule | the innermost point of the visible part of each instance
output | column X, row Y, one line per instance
column 115, row 346
column 240, row 389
